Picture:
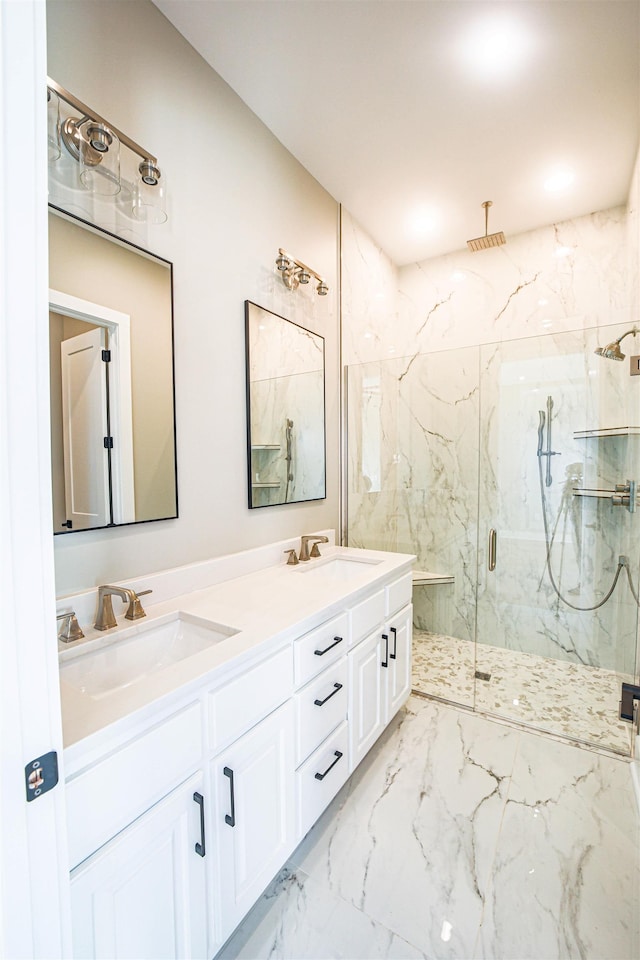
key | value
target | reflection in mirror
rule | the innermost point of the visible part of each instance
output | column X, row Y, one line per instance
column 111, row 372
column 285, row 410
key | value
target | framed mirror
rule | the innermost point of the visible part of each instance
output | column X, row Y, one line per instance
column 285, row 410
column 113, row 447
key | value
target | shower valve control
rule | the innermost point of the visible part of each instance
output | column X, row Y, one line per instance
column 625, row 495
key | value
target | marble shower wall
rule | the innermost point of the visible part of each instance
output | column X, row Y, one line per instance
column 443, row 425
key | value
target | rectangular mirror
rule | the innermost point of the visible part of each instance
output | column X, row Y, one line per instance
column 285, row 410
column 113, row 448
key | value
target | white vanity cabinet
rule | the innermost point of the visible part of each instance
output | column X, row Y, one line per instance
column 254, row 811
column 180, row 815
column 144, row 894
column 379, row 667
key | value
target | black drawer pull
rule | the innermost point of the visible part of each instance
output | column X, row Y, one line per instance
column 395, row 642
column 230, row 818
column 200, row 848
column 336, row 687
column 385, row 662
column 321, row 776
column 321, row 653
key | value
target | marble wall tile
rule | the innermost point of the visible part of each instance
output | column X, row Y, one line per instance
column 530, row 314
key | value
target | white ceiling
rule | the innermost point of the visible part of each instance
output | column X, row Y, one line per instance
column 412, row 112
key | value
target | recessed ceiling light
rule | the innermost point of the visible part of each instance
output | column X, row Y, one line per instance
column 423, row 221
column 559, row 180
column 496, row 47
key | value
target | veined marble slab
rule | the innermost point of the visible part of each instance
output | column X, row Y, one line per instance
column 461, row 837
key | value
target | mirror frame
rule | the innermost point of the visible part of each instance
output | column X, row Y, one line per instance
column 142, row 251
column 257, row 506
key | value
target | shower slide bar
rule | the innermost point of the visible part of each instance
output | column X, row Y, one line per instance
column 548, row 453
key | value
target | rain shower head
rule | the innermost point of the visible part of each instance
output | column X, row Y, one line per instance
column 489, row 239
column 612, row 350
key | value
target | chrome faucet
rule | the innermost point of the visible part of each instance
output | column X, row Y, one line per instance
column 106, row 618
column 304, row 546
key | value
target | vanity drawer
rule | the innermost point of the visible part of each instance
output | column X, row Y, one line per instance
column 103, row 799
column 245, row 701
column 320, row 707
column 366, row 616
column 320, row 778
column 399, row 593
column 316, row 650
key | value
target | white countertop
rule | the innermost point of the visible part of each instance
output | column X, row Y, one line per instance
column 267, row 608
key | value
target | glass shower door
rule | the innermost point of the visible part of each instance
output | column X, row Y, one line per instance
column 412, row 487
column 552, row 651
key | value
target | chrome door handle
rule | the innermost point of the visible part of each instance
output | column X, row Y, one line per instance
column 493, row 538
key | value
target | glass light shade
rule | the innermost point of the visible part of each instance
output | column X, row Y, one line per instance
column 53, row 126
column 99, row 149
column 149, row 200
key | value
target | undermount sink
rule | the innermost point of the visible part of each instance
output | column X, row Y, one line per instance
column 152, row 648
column 337, row 568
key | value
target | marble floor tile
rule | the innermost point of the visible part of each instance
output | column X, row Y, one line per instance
column 565, row 881
column 299, row 918
column 411, row 843
column 567, row 699
column 459, row 837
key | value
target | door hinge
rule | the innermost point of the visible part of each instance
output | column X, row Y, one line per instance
column 41, row 775
column 108, row 443
column 106, row 356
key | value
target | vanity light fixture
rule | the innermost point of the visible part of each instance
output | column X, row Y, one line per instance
column 294, row 272
column 95, row 144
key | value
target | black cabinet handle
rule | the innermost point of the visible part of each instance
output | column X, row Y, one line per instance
column 336, row 687
column 321, row 653
column 385, row 637
column 200, row 847
column 321, row 776
column 230, row 818
column 395, row 642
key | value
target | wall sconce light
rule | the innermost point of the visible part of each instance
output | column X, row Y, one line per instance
column 53, row 126
column 94, row 144
column 294, row 272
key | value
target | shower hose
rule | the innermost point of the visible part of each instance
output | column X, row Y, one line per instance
column 623, row 562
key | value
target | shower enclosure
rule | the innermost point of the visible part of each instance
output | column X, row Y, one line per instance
column 509, row 470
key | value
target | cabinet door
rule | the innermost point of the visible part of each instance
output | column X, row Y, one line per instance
column 143, row 895
column 367, row 686
column 399, row 673
column 255, row 796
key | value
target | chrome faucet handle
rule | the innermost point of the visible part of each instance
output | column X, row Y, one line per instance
column 69, row 629
column 293, row 558
column 135, row 610
column 304, row 546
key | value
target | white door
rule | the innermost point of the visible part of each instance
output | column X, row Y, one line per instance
column 34, row 878
column 144, row 894
column 399, row 677
column 367, row 684
column 84, row 427
column 255, row 796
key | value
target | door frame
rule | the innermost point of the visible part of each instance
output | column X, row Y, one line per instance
column 34, row 880
column 121, row 408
